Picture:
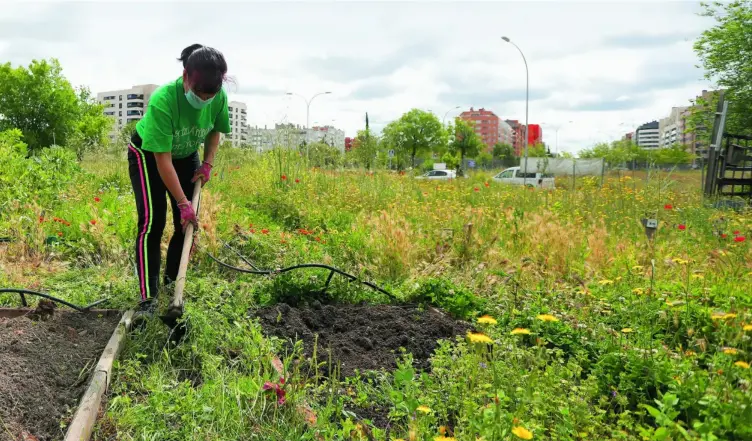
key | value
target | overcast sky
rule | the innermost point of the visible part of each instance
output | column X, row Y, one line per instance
column 607, row 66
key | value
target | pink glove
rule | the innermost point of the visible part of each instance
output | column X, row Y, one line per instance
column 187, row 215
column 203, row 173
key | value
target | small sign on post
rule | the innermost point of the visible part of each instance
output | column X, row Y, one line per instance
column 391, row 153
column 471, row 163
column 651, row 225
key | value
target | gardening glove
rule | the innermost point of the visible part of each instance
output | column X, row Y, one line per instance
column 187, row 215
column 203, row 173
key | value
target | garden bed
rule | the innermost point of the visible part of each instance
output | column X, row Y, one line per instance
column 362, row 337
column 46, row 358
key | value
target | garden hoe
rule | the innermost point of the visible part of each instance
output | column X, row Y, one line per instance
column 175, row 310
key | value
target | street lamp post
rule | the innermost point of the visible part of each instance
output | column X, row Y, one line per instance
column 447, row 113
column 308, row 114
column 527, row 101
column 556, row 129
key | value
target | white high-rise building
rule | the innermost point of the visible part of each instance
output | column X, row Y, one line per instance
column 647, row 136
column 238, row 123
column 292, row 136
column 327, row 134
column 126, row 105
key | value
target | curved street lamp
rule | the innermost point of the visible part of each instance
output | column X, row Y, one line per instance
column 308, row 114
column 527, row 100
column 447, row 113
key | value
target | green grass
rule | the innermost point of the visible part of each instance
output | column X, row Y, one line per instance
column 641, row 348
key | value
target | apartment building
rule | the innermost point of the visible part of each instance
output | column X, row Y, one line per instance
column 518, row 135
column 239, row 134
column 485, row 123
column 647, row 135
column 125, row 105
column 292, row 135
column 671, row 128
column 506, row 133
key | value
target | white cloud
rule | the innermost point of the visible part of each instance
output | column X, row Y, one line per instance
column 603, row 65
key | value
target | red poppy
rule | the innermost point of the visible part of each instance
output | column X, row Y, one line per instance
column 93, row 221
column 682, row 227
column 318, row 239
column 264, row 231
column 284, row 177
column 736, row 232
column 668, row 207
column 476, row 189
column 250, row 225
column 724, row 236
column 60, row 234
column 297, row 181
column 486, row 184
column 96, row 199
column 41, row 219
column 740, row 239
column 251, row 231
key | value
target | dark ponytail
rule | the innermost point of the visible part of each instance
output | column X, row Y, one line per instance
column 205, row 66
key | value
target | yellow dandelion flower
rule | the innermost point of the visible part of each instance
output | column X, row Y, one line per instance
column 747, row 327
column 444, row 438
column 729, row 316
column 487, row 320
column 547, row 318
column 627, row 330
column 698, row 276
column 606, row 282
column 521, row 432
column 742, row 364
column 690, row 353
column 637, row 268
column 518, row 331
column 477, row 337
column 424, row 409
column 718, row 315
column 730, row 351
column 638, row 291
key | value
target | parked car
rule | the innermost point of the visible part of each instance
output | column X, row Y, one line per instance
column 438, row 174
column 515, row 177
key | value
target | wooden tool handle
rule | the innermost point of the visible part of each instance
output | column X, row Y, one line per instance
column 177, row 300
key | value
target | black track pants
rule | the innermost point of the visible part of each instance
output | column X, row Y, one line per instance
column 151, row 205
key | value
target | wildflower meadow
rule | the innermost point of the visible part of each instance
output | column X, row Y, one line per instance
column 583, row 325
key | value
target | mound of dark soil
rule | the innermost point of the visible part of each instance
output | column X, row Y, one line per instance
column 44, row 369
column 362, row 337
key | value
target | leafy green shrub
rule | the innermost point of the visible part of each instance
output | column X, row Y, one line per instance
column 41, row 178
column 454, row 299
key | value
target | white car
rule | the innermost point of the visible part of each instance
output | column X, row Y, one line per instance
column 515, row 177
column 438, row 174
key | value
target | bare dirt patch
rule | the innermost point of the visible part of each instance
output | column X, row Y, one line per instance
column 362, row 337
column 45, row 363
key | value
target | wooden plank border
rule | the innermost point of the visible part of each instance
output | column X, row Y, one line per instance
column 86, row 415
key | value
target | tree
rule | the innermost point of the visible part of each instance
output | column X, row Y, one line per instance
column 323, row 155
column 415, row 132
column 451, row 161
column 675, row 154
column 725, row 51
column 485, row 159
column 503, row 151
column 537, row 151
column 466, row 142
column 91, row 126
column 40, row 102
column 365, row 148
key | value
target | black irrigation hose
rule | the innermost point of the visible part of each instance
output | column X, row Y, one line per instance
column 21, row 292
column 303, row 265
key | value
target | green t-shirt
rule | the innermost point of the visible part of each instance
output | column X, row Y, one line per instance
column 171, row 124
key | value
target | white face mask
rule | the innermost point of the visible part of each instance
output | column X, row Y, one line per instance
column 196, row 101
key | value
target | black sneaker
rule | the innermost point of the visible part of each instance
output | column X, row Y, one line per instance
column 144, row 314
